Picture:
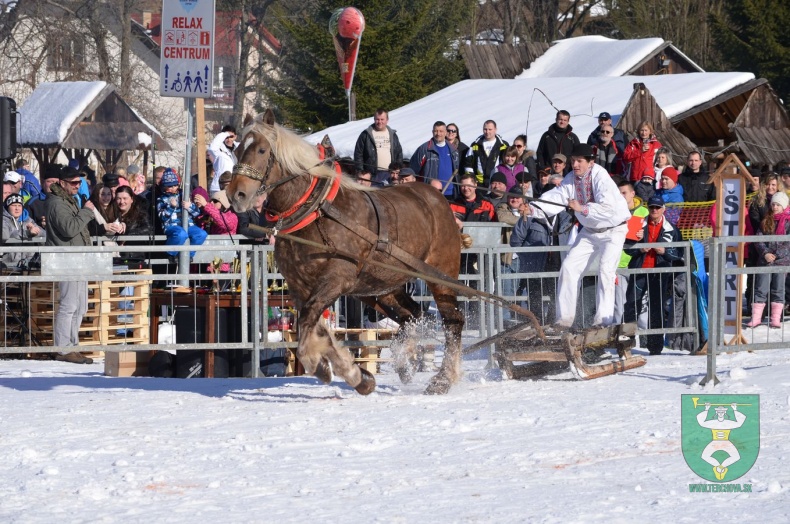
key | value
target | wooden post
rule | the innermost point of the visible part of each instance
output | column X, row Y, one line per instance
column 200, row 133
column 732, row 178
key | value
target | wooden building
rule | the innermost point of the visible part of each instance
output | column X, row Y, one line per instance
column 502, row 61
column 643, row 107
column 93, row 121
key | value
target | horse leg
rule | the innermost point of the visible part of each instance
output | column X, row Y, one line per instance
column 402, row 308
column 453, row 322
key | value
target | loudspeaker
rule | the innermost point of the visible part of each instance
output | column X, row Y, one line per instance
column 8, row 145
column 190, row 329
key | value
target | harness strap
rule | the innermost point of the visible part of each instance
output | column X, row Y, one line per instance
column 328, row 195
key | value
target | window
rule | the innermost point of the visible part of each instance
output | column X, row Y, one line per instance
column 66, row 54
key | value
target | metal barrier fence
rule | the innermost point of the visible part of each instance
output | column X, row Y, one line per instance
column 254, row 276
column 724, row 275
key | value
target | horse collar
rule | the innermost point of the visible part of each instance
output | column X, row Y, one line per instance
column 311, row 212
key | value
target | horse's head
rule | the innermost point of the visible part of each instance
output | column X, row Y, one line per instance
column 257, row 166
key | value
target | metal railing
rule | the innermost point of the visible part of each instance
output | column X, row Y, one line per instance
column 723, row 289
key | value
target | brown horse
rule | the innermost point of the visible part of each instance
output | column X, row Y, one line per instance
column 362, row 223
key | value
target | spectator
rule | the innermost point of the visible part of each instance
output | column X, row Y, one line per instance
column 526, row 157
column 136, row 179
column 663, row 159
column 485, row 154
column 640, row 153
column 760, row 206
column 511, row 168
column 671, row 193
column 638, row 208
column 169, row 207
column 255, row 216
column 542, row 184
column 772, row 254
column 221, row 154
column 36, row 206
column 14, row 181
column 603, row 213
column 67, row 225
column 607, row 153
column 454, row 137
column 469, row 207
column 646, row 187
column 364, row 178
column 533, row 230
column 394, row 170
column 525, row 181
column 784, row 176
column 694, row 180
column 131, row 213
column 377, row 147
column 223, row 221
column 111, row 181
column 103, row 199
column 122, row 175
column 407, row 176
column 497, row 189
column 559, row 138
column 15, row 227
column 30, row 185
column 658, row 286
column 224, row 180
column 509, row 212
column 437, row 159
column 604, row 121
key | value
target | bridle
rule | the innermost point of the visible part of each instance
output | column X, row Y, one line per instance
column 250, row 172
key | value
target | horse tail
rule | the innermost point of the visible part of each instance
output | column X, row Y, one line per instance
column 466, row 241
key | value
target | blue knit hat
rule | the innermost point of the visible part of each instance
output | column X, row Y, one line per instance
column 169, row 178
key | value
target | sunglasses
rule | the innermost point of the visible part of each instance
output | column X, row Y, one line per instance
column 655, row 207
column 519, row 147
column 452, row 130
column 73, row 182
column 606, row 132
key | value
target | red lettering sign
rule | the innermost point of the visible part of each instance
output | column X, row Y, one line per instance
column 181, row 22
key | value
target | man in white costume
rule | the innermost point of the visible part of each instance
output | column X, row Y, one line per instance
column 221, row 153
column 602, row 214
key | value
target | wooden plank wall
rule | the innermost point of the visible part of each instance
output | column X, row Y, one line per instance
column 502, row 61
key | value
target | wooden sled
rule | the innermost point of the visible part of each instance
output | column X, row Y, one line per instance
column 562, row 350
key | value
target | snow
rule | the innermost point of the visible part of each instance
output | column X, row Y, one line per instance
column 591, row 56
column 50, row 111
column 530, row 104
column 81, row 447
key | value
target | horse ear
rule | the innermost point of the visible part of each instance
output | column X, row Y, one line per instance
column 268, row 117
column 247, row 120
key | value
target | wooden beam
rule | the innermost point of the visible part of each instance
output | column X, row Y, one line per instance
column 200, row 126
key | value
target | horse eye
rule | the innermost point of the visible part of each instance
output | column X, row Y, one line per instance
column 261, row 151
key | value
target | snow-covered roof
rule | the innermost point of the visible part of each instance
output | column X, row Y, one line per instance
column 519, row 106
column 591, row 56
column 50, row 111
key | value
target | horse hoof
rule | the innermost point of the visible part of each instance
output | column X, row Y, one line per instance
column 438, row 386
column 367, row 384
column 323, row 371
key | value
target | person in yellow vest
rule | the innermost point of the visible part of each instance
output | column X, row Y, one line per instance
column 638, row 209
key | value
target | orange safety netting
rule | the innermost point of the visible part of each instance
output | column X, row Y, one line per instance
column 695, row 220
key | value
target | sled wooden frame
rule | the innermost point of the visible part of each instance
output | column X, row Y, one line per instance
column 550, row 353
column 562, row 350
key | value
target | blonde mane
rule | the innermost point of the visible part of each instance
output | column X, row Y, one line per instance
column 296, row 155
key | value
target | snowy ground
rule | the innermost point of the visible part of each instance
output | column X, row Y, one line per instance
column 81, row 447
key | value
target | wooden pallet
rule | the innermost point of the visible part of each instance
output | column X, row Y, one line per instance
column 368, row 357
column 112, row 306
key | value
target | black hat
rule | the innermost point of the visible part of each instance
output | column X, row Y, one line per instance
column 515, row 191
column 524, row 176
column 784, row 171
column 582, row 150
column 496, row 177
column 604, row 116
column 655, row 201
column 406, row 171
column 110, row 180
column 68, row 173
column 14, row 199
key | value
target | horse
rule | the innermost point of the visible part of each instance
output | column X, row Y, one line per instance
column 335, row 234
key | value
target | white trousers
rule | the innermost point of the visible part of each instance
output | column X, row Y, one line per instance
column 608, row 246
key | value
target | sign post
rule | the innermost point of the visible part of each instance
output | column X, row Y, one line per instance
column 186, row 70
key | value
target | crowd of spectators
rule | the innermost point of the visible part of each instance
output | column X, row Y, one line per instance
column 488, row 180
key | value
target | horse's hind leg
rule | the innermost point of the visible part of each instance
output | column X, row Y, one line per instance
column 453, row 322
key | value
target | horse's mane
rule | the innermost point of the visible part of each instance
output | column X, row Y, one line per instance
column 296, row 155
